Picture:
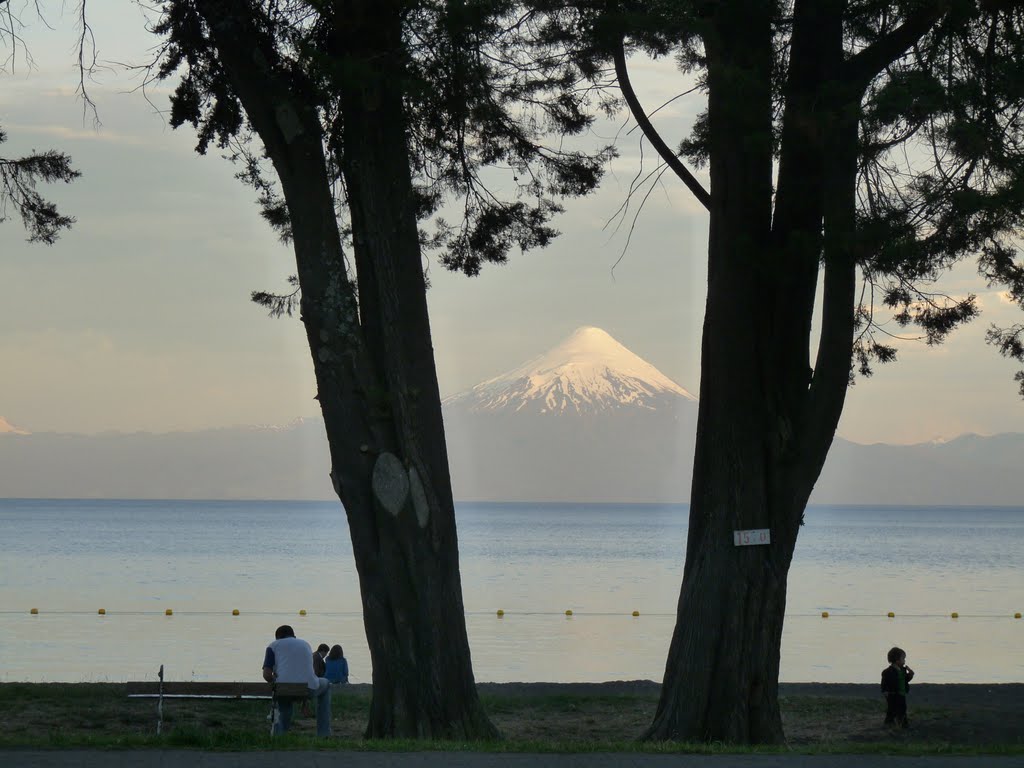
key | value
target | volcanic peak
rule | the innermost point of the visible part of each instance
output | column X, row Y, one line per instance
column 588, row 372
column 8, row 428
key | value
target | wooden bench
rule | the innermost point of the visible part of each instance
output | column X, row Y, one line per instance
column 160, row 690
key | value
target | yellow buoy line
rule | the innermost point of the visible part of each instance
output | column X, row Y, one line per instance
column 893, row 615
column 175, row 612
column 500, row 613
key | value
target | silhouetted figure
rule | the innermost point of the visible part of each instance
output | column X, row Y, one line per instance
column 895, row 684
column 290, row 660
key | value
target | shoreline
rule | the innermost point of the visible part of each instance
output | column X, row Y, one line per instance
column 929, row 694
column 1005, row 697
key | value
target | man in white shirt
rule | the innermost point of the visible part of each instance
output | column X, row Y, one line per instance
column 290, row 660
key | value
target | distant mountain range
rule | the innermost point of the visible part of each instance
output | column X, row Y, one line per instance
column 238, row 463
column 970, row 469
column 587, row 421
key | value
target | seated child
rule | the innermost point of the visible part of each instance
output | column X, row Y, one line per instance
column 336, row 666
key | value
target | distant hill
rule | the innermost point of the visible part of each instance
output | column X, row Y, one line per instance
column 288, row 462
column 587, row 421
column 970, row 469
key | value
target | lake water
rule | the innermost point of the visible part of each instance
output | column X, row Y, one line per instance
column 269, row 560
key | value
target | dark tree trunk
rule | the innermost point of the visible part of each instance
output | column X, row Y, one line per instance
column 765, row 423
column 722, row 669
column 405, row 542
column 373, row 360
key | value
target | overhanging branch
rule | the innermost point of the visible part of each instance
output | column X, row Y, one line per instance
column 670, row 157
column 865, row 65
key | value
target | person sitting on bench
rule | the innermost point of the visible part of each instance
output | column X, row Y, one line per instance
column 336, row 667
column 290, row 660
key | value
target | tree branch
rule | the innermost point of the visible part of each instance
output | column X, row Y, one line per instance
column 86, row 63
column 670, row 157
column 862, row 67
column 831, row 376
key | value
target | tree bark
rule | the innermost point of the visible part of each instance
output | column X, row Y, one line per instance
column 422, row 673
column 764, row 424
column 372, row 357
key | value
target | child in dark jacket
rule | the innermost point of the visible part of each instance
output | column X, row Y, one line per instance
column 895, row 684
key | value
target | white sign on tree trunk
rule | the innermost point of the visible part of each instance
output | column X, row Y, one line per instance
column 752, row 537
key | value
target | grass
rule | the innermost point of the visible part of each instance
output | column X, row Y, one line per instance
column 99, row 715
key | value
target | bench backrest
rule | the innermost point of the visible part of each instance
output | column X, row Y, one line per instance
column 235, row 690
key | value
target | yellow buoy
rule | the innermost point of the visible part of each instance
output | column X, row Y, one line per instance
column 34, row 611
column 891, row 615
column 1016, row 615
column 500, row 613
column 102, row 611
column 234, row 612
column 954, row 615
column 568, row 612
column 824, row 614
column 168, row 612
column 302, row 612
column 636, row 613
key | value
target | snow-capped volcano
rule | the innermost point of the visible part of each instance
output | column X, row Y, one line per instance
column 7, row 427
column 587, row 421
column 589, row 372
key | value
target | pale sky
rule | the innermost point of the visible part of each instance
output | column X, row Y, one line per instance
column 139, row 317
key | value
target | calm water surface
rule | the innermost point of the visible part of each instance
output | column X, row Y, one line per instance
column 269, row 560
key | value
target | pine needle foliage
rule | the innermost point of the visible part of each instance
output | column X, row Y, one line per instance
column 487, row 108
column 20, row 176
column 19, row 194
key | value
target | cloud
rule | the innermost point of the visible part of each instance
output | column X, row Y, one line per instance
column 60, row 92
column 90, row 381
column 997, row 307
column 66, row 133
column 1004, row 297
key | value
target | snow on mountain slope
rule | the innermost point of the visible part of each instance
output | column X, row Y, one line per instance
column 7, row 427
column 589, row 372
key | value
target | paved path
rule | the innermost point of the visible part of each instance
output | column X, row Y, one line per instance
column 154, row 758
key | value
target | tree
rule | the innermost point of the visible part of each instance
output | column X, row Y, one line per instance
column 20, row 176
column 875, row 142
column 18, row 179
column 371, row 110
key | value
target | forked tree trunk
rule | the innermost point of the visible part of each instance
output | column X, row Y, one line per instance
column 373, row 358
column 765, row 424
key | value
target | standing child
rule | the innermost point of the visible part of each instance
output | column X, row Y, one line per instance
column 895, row 684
